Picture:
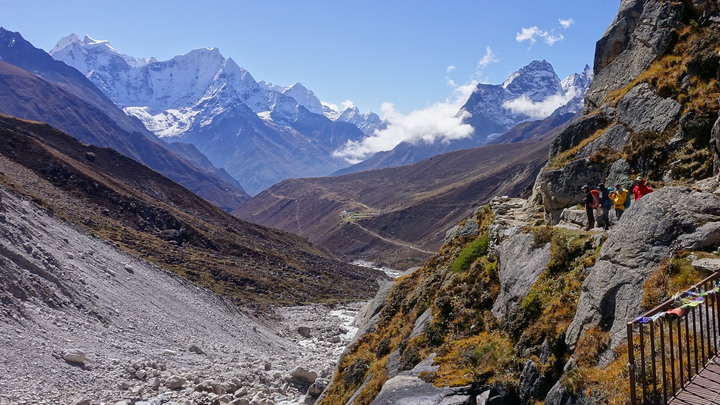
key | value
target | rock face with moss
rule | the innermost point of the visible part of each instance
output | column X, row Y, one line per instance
column 523, row 306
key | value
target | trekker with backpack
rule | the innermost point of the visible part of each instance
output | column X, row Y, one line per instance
column 620, row 198
column 605, row 204
column 641, row 188
column 589, row 207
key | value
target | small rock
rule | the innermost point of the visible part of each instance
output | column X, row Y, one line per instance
column 168, row 352
column 304, row 331
column 195, row 349
column 268, row 366
column 304, row 375
column 175, row 382
column 218, row 389
column 130, row 269
column 75, row 356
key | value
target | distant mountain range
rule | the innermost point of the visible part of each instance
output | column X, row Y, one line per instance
column 263, row 133
column 260, row 133
column 35, row 86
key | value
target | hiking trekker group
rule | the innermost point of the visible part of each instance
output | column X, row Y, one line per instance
column 599, row 200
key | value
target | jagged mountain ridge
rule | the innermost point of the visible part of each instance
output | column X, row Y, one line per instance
column 209, row 101
column 39, row 88
column 493, row 109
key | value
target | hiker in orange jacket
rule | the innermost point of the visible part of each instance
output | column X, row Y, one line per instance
column 641, row 189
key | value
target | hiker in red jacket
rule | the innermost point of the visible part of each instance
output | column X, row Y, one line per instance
column 641, row 189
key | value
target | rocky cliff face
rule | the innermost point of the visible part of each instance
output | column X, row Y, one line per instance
column 521, row 304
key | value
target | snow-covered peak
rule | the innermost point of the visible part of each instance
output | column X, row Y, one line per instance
column 270, row 86
column 537, row 80
column 304, row 97
column 82, row 53
column 578, row 80
column 66, row 41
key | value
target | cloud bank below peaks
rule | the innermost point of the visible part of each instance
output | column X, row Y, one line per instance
column 539, row 109
column 440, row 122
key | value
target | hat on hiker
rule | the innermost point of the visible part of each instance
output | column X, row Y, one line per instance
column 585, row 187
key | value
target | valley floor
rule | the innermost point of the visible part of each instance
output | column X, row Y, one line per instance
column 81, row 322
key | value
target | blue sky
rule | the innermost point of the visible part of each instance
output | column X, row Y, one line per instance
column 413, row 54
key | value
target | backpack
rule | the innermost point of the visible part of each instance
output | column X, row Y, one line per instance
column 595, row 198
column 627, row 199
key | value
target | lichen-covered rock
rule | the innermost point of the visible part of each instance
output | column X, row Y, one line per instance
column 654, row 227
column 520, row 264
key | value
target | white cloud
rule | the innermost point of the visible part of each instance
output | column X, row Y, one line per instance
column 450, row 68
column 347, row 104
column 488, row 58
column 566, row 23
column 533, row 33
column 439, row 122
column 538, row 109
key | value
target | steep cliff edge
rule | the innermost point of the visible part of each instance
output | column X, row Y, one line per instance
column 521, row 305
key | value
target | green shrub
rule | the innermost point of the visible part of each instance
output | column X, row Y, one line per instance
column 470, row 253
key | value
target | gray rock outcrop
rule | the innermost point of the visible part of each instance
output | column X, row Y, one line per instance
column 520, row 264
column 651, row 230
column 640, row 34
column 715, row 146
column 407, row 388
column 642, row 109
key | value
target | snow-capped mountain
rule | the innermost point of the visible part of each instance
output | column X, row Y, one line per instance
column 532, row 93
column 208, row 100
column 576, row 84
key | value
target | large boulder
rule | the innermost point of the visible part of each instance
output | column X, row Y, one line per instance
column 408, row 388
column 520, row 265
column 559, row 189
column 651, row 230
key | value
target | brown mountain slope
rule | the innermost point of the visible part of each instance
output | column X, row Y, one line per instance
column 116, row 198
column 397, row 216
column 25, row 95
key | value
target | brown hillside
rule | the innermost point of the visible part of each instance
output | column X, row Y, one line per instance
column 116, row 198
column 399, row 215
